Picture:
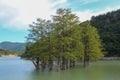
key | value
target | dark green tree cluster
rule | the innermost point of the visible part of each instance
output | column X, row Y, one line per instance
column 62, row 42
column 108, row 26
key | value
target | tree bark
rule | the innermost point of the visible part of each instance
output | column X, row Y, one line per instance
column 43, row 64
column 58, row 55
column 74, row 64
column 71, row 66
column 50, row 65
column 67, row 64
column 86, row 60
column 36, row 63
column 63, row 64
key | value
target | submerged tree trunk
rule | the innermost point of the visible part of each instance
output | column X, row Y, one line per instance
column 58, row 55
column 50, row 61
column 74, row 64
column 36, row 63
column 59, row 64
column 67, row 64
column 43, row 64
column 50, row 65
column 71, row 64
column 63, row 66
column 86, row 60
column 86, row 53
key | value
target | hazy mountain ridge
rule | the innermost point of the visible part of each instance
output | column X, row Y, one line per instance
column 13, row 46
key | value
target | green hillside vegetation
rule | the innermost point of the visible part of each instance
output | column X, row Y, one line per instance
column 8, row 52
column 63, row 40
column 13, row 46
column 108, row 26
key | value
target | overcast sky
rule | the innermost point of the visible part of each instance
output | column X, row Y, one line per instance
column 16, row 15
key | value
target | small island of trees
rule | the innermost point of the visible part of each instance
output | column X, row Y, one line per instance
column 62, row 41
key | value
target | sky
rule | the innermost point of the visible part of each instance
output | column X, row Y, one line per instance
column 16, row 15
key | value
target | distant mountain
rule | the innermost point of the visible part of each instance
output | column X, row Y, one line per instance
column 13, row 46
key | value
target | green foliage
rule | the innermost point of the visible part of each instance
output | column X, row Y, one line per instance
column 108, row 26
column 91, row 41
column 62, row 39
column 40, row 40
column 66, row 24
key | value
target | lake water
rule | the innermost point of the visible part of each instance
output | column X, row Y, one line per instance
column 14, row 68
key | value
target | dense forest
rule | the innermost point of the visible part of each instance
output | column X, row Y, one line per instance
column 63, row 40
column 108, row 26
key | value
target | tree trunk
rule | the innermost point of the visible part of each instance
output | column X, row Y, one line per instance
column 67, row 64
column 58, row 55
column 37, row 63
column 63, row 64
column 59, row 64
column 50, row 65
column 71, row 64
column 43, row 64
column 86, row 60
column 86, row 55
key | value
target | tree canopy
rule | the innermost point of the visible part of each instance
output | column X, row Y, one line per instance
column 64, row 40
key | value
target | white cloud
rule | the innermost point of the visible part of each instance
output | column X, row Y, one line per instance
column 19, row 13
column 84, row 15
column 107, row 9
column 27, row 11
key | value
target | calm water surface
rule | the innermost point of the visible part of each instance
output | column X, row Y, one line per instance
column 14, row 68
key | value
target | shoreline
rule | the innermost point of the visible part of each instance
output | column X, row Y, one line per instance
column 110, row 58
column 10, row 55
column 104, row 58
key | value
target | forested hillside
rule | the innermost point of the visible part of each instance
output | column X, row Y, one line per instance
column 8, row 52
column 108, row 26
column 12, row 46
